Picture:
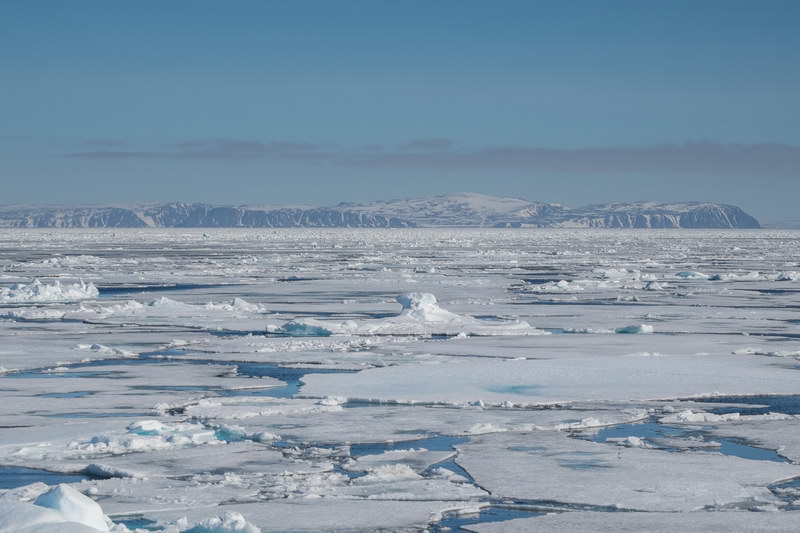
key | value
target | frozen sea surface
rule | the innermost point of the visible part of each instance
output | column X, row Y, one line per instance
column 399, row 380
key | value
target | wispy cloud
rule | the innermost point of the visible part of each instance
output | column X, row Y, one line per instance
column 700, row 157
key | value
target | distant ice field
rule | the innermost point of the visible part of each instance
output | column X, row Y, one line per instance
column 400, row 380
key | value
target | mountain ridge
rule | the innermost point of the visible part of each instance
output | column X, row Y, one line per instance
column 454, row 210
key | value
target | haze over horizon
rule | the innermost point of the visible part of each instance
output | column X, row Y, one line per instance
column 316, row 103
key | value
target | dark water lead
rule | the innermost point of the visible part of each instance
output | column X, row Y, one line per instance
column 493, row 513
column 66, row 374
column 12, row 477
column 658, row 435
column 437, row 443
column 134, row 523
column 454, row 467
column 788, row 404
column 789, row 492
column 121, row 290
column 292, row 376
column 99, row 415
column 75, row 394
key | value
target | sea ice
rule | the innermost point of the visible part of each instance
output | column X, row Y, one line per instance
column 147, row 384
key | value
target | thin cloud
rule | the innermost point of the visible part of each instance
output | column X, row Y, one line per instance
column 704, row 157
column 109, row 154
column 212, row 149
column 427, row 145
column 237, row 146
column 698, row 157
column 104, row 143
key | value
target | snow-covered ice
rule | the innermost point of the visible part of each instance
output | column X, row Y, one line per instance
column 360, row 380
column 36, row 291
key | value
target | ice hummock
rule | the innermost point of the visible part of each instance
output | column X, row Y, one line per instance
column 690, row 274
column 420, row 315
column 21, row 517
column 422, row 307
column 228, row 522
column 36, row 291
column 73, row 506
column 633, row 330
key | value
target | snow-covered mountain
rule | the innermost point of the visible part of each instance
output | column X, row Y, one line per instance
column 654, row 215
column 455, row 210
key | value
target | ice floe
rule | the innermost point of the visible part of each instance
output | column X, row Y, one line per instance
column 634, row 478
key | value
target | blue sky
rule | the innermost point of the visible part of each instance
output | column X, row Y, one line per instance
column 316, row 102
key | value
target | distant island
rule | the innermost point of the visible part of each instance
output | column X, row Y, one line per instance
column 465, row 210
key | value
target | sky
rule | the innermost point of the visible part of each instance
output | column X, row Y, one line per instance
column 316, row 102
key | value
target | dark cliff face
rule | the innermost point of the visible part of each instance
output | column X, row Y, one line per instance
column 430, row 212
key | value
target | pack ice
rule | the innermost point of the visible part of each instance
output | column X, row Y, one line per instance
column 223, row 380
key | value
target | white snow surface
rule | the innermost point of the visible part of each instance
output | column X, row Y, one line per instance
column 577, row 377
